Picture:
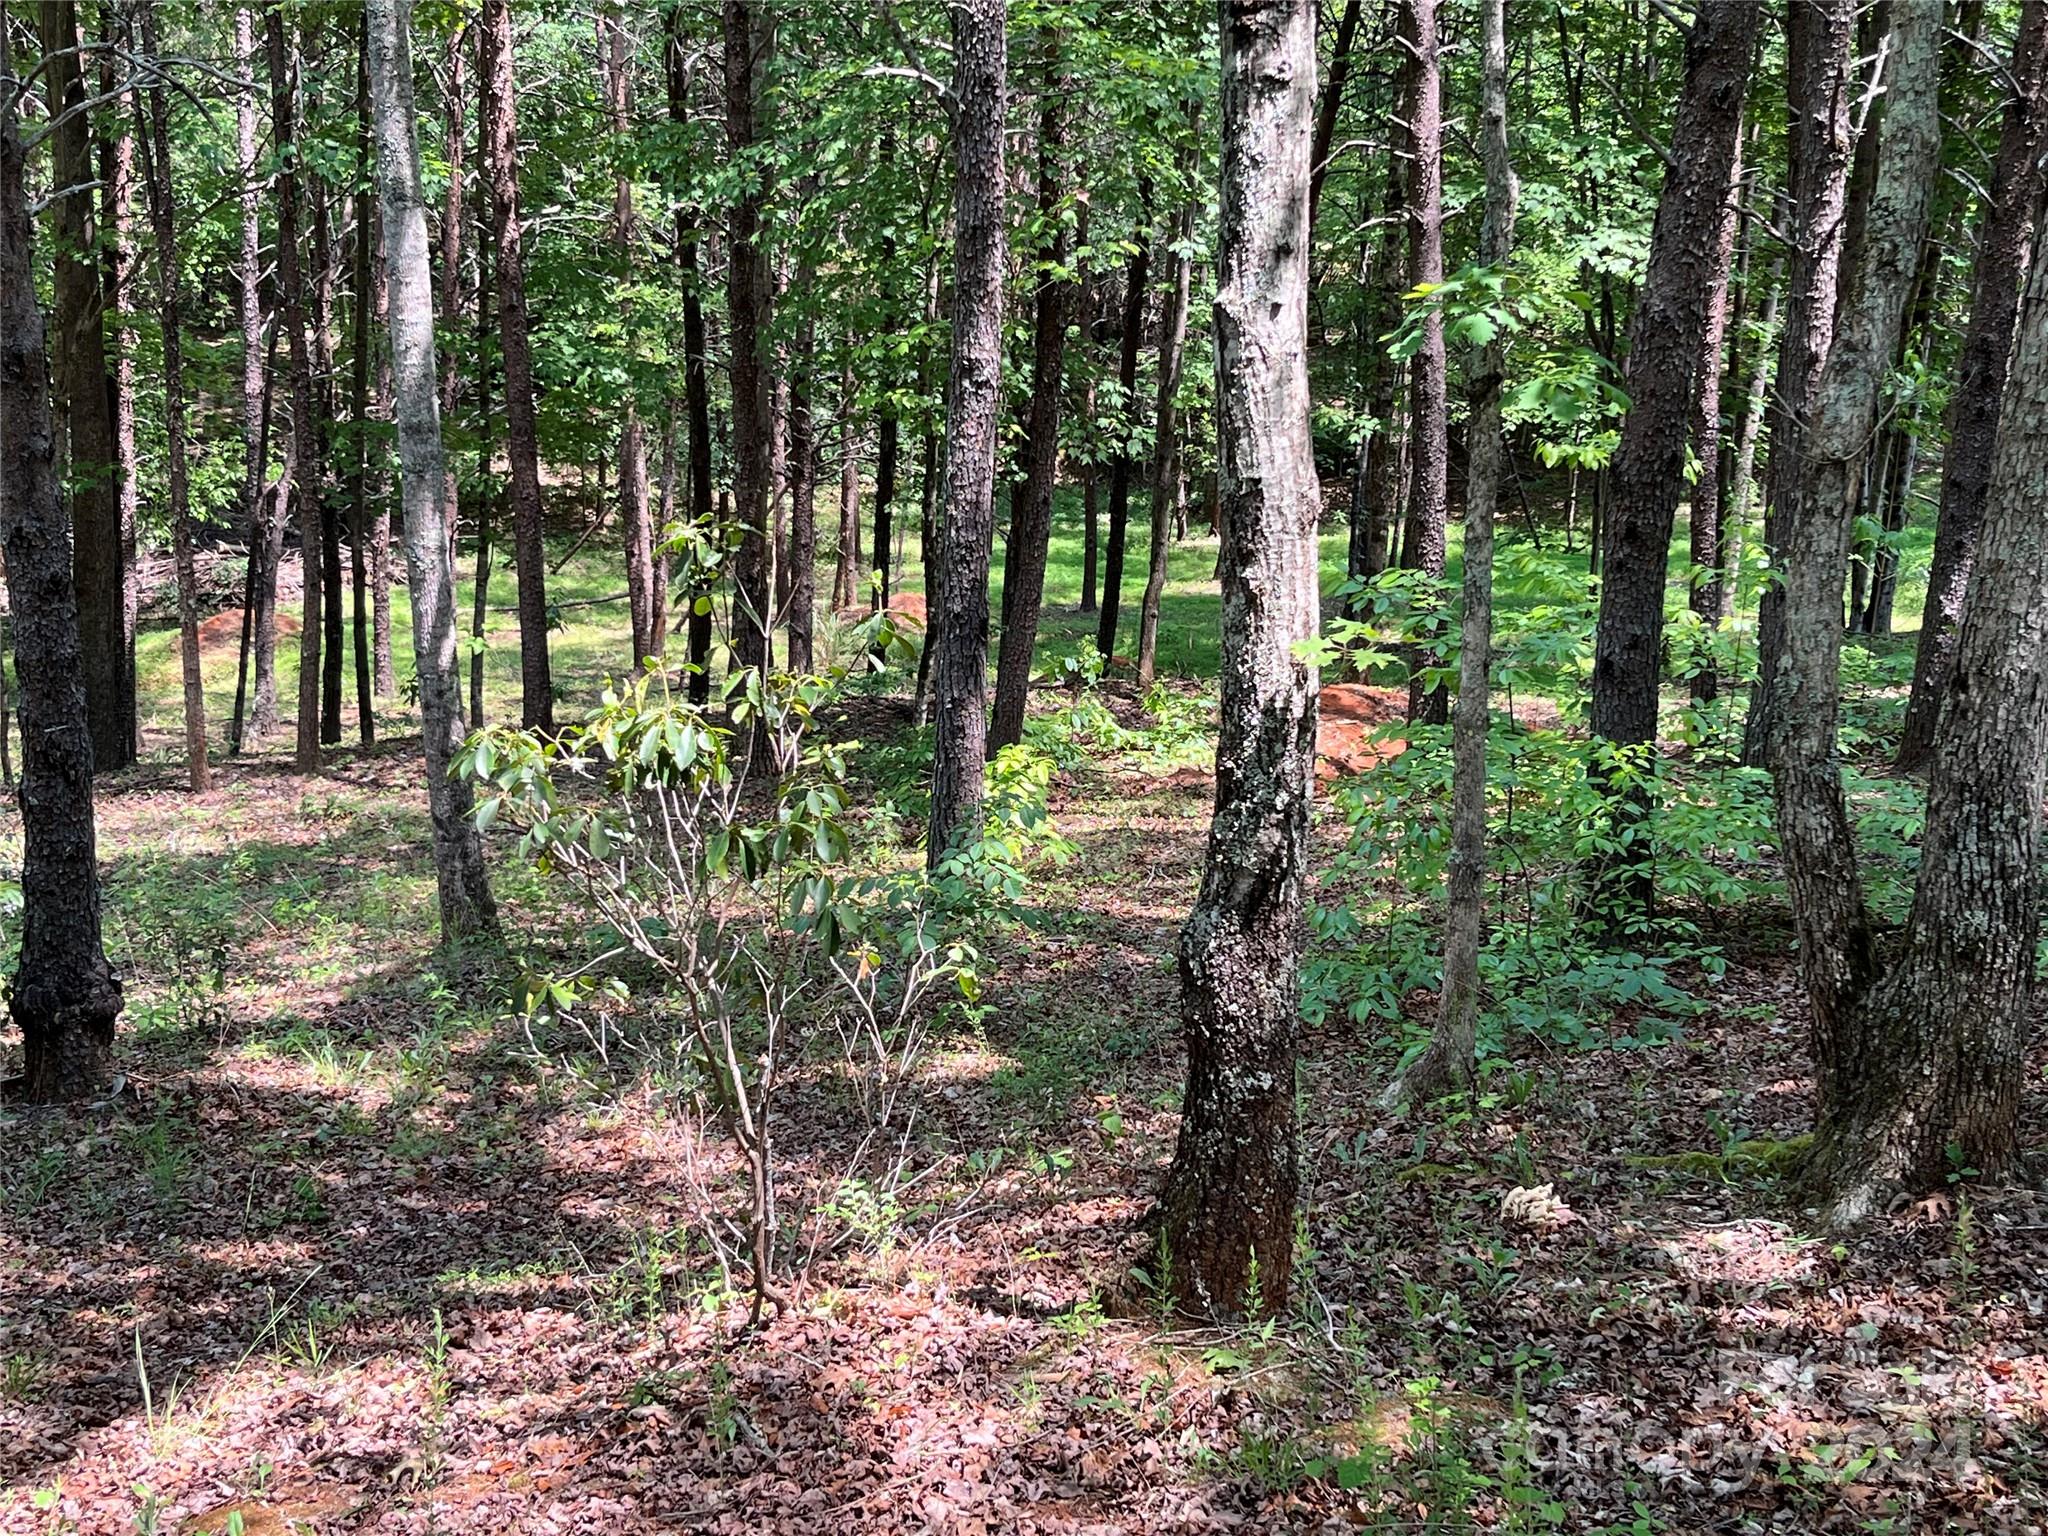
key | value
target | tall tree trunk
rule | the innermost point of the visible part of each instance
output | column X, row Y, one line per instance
column 489, row 504
column 1123, row 467
column 260, row 600
column 466, row 906
column 80, row 380
column 2016, row 190
column 1836, row 947
column 333, row 650
column 636, row 520
column 117, row 215
column 1818, row 151
column 800, row 554
column 305, row 455
column 1704, row 521
column 1742, row 491
column 887, row 447
column 1330, row 104
column 522, row 447
column 154, row 139
column 361, row 301
column 453, row 317
column 749, row 34
column 1173, row 330
column 845, row 592
column 1648, row 471
column 1375, row 508
column 974, row 396
column 1227, row 1207
column 1423, row 540
column 1449, row 1057
column 1031, row 503
column 62, row 995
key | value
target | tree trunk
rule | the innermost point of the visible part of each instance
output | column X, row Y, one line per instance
column 1122, row 467
column 1449, row 1058
column 453, row 317
column 635, row 512
column 1173, row 330
column 117, row 212
column 845, row 591
column 749, row 33
column 1818, row 153
column 1376, row 513
column 800, row 554
column 522, row 447
column 489, row 504
column 361, row 300
column 1228, row 1203
column 305, row 455
column 80, row 387
column 467, row 910
column 62, row 996
column 333, row 650
column 974, row 396
column 1743, row 490
column 1709, row 572
column 1836, row 950
column 2016, row 191
column 1031, row 503
column 260, row 604
column 1330, row 104
column 1648, row 470
column 154, row 139
column 1423, row 540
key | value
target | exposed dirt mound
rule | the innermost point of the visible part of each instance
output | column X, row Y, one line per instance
column 1351, row 713
column 905, row 605
column 223, row 631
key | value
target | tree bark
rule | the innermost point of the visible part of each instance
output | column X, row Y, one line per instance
column 635, row 511
column 80, row 380
column 1031, row 503
column 1836, row 948
column 1330, row 103
column 1704, row 522
column 1227, row 1208
column 305, row 456
column 800, row 554
column 1818, row 151
column 63, row 995
column 118, row 262
column 1423, row 540
column 1136, row 279
column 361, row 301
column 1449, row 1058
column 260, row 617
column 845, row 591
column 1648, row 470
column 749, row 37
column 154, row 139
column 974, row 395
column 2017, row 185
column 453, row 317
column 522, row 447
column 467, row 910
column 1173, row 330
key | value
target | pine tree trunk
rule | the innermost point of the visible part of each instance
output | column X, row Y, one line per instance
column 522, row 446
column 636, row 520
column 1836, row 950
column 77, row 328
column 467, row 910
column 304, row 458
column 1173, row 331
column 118, row 262
column 453, row 316
column 1031, row 503
column 155, row 141
column 1648, row 471
column 1330, row 103
column 800, row 554
column 489, row 503
column 1704, row 522
column 1818, row 154
column 958, row 576
column 361, row 300
column 1449, row 1058
column 62, row 995
column 749, row 286
column 1227, row 1207
column 333, row 650
column 1122, row 467
column 845, row 592
column 260, row 605
column 2017, row 185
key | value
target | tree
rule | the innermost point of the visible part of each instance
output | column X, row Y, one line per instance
column 1448, row 1058
column 800, row 554
column 749, row 291
column 305, row 456
column 1132, row 338
column 1704, row 532
column 1423, row 538
column 259, row 593
column 2017, row 183
column 155, row 141
column 1648, row 472
column 466, row 907
column 974, row 394
column 1227, row 1207
column 1855, row 1056
column 1173, row 330
column 522, row 441
column 1818, row 150
column 696, row 366
column 1031, row 503
column 62, row 995
column 80, row 376
column 361, row 302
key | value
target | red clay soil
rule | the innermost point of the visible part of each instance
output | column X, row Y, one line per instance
column 905, row 605
column 1351, row 713
column 223, row 630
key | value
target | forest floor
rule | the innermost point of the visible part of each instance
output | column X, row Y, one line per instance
column 358, row 1253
